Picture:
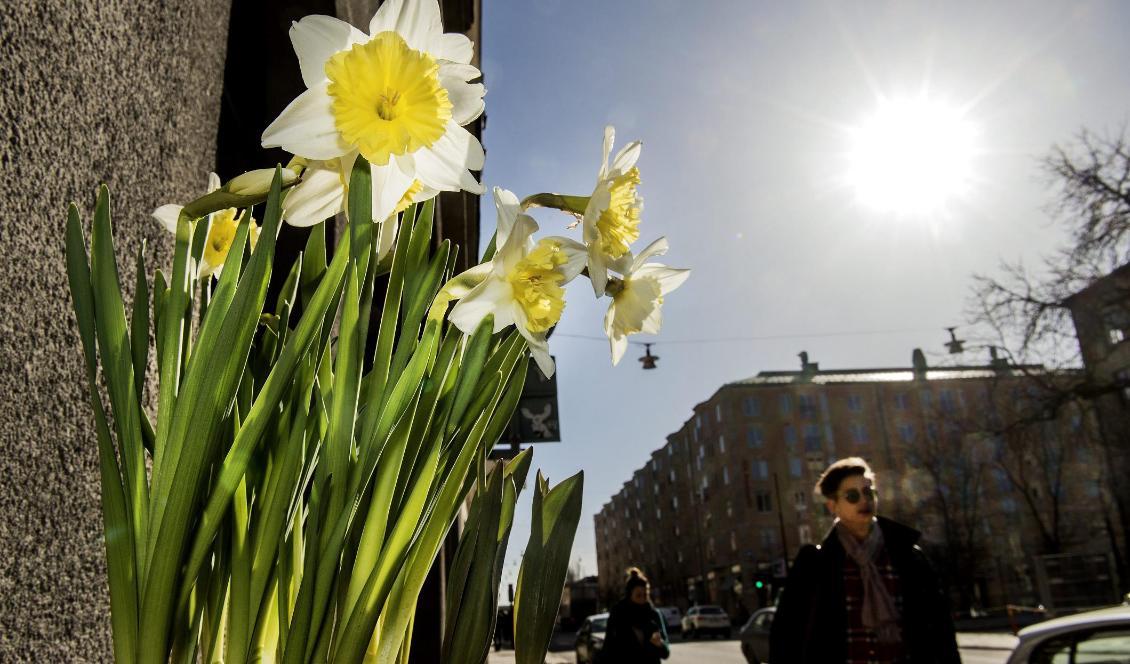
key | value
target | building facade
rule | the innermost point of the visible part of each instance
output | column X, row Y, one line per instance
column 718, row 510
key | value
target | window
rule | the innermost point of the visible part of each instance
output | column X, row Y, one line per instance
column 800, row 500
column 1086, row 646
column 1116, row 320
column 729, row 508
column 764, row 501
column 674, row 502
column 671, row 475
column 733, row 541
column 811, row 438
column 762, row 470
column 679, row 554
column 906, row 432
column 804, row 533
column 725, row 475
column 858, row 433
column 790, row 437
column 721, row 444
column 768, row 538
column 948, row 401
column 658, row 513
column 927, row 399
column 786, row 404
column 807, row 406
column 855, row 403
column 902, row 401
column 795, row 467
column 751, row 406
column 717, row 412
column 754, row 437
column 670, row 449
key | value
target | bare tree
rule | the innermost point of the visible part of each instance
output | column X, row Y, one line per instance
column 1026, row 312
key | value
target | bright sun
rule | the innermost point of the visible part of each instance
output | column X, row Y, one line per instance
column 911, row 157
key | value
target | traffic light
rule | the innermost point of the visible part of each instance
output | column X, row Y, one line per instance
column 763, row 583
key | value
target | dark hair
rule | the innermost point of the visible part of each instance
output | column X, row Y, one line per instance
column 829, row 482
column 635, row 579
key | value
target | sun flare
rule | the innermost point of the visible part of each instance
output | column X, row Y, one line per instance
column 912, row 157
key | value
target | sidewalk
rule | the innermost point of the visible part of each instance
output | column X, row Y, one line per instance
column 507, row 657
column 986, row 640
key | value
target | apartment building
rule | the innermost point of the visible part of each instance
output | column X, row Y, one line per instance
column 716, row 512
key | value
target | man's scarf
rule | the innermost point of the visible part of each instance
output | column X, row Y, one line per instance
column 880, row 614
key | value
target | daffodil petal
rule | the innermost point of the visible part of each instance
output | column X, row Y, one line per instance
column 508, row 208
column 492, row 296
column 609, row 139
column 452, row 46
column 306, row 127
column 316, row 38
column 539, row 347
column 656, row 248
column 576, row 256
column 653, row 322
column 625, row 158
column 417, row 21
column 318, row 197
column 168, row 215
column 390, row 183
column 213, row 182
column 617, row 343
column 466, row 98
column 518, row 243
column 448, row 163
column 465, row 281
column 669, row 278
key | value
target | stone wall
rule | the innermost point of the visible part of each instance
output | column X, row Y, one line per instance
column 114, row 91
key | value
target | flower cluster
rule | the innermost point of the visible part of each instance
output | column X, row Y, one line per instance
column 399, row 98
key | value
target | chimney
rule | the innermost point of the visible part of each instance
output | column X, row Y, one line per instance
column 807, row 369
column 918, row 359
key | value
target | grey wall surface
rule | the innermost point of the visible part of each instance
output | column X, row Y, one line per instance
column 115, row 91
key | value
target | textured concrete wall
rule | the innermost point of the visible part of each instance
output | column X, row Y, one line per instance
column 114, row 91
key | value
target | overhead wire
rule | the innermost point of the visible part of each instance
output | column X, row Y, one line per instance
column 764, row 337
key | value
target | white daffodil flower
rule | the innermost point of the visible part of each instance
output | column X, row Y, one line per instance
column 398, row 96
column 523, row 285
column 638, row 296
column 321, row 194
column 222, row 226
column 612, row 216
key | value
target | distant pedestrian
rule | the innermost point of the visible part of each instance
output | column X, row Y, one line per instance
column 867, row 594
column 636, row 631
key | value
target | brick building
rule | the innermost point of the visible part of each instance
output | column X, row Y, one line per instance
column 729, row 497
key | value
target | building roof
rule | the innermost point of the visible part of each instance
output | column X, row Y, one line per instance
column 888, row 375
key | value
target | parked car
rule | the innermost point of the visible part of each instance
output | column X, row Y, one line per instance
column 1098, row 637
column 706, row 619
column 590, row 638
column 673, row 618
column 755, row 635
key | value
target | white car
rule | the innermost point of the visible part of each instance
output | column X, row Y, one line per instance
column 673, row 618
column 590, row 638
column 706, row 619
column 1094, row 637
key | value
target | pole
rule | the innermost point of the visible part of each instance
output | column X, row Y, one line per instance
column 781, row 521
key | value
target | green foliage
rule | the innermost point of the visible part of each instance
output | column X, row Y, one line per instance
column 544, row 565
column 294, row 492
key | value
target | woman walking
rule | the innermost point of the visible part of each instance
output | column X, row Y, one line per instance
column 636, row 631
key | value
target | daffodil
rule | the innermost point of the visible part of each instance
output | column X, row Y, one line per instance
column 524, row 283
column 638, row 295
column 610, row 217
column 398, row 96
column 222, row 225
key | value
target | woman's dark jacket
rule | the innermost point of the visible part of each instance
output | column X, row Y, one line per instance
column 627, row 639
column 811, row 620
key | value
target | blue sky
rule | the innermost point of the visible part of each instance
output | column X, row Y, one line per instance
column 745, row 110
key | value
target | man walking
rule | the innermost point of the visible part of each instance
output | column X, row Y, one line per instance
column 867, row 594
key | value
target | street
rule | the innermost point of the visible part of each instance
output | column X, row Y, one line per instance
column 976, row 649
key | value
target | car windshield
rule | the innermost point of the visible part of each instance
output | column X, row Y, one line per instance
column 599, row 624
column 710, row 610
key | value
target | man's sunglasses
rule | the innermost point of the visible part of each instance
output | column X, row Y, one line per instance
column 853, row 495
